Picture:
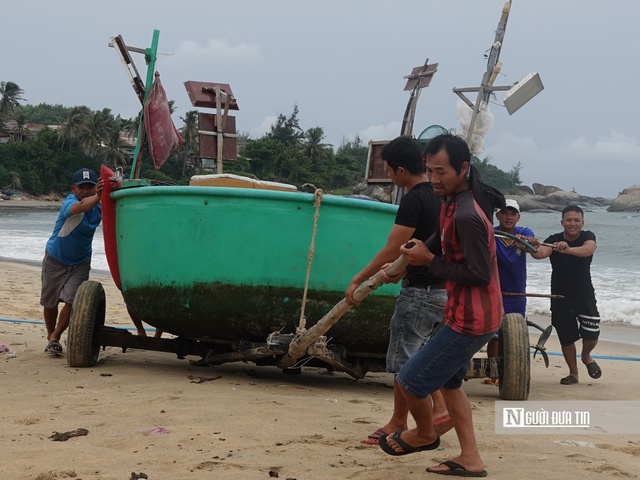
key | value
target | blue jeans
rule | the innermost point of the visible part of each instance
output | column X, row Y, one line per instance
column 443, row 362
column 417, row 313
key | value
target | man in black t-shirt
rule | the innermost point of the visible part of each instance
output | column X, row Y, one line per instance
column 576, row 315
column 418, row 309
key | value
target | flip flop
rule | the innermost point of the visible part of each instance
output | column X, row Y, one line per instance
column 406, row 448
column 569, row 380
column 457, row 470
column 442, row 425
column 594, row 370
column 375, row 437
column 53, row 348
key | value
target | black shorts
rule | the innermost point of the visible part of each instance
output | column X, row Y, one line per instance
column 581, row 320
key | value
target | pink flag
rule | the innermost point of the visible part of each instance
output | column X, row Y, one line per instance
column 162, row 135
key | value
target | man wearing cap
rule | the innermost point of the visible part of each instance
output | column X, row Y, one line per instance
column 67, row 258
column 512, row 264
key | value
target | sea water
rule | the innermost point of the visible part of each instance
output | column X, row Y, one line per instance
column 24, row 232
column 616, row 263
column 614, row 269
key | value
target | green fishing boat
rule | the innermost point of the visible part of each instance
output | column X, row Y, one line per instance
column 216, row 263
column 234, row 273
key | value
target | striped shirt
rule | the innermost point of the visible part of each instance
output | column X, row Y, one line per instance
column 468, row 263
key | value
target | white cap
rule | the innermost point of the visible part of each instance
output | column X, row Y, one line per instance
column 511, row 203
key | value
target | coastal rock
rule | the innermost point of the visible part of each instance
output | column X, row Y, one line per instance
column 381, row 193
column 552, row 199
column 524, row 190
column 544, row 190
column 564, row 198
column 555, row 199
column 627, row 201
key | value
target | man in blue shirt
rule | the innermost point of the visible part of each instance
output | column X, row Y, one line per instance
column 512, row 258
column 67, row 259
column 512, row 264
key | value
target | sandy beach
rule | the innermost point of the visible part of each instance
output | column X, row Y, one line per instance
column 52, row 202
column 146, row 412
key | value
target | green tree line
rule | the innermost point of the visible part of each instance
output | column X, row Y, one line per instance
column 44, row 162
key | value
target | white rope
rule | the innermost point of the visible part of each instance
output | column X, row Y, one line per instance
column 318, row 200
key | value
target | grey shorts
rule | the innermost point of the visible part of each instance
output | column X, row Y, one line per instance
column 417, row 314
column 60, row 282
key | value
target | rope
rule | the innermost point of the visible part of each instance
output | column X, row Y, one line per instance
column 492, row 365
column 318, row 200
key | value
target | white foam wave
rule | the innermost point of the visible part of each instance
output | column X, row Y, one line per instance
column 615, row 292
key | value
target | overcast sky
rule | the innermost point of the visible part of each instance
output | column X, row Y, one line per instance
column 343, row 62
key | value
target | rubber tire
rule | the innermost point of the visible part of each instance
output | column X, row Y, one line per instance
column 514, row 371
column 87, row 316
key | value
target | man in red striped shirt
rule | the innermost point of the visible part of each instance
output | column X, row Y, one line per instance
column 463, row 252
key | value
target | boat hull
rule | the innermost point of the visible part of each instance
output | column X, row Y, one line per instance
column 230, row 264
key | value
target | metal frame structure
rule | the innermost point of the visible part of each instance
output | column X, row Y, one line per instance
column 141, row 89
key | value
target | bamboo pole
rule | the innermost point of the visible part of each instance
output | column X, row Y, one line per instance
column 537, row 295
column 298, row 347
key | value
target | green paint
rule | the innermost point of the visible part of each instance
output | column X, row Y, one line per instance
column 150, row 57
column 230, row 263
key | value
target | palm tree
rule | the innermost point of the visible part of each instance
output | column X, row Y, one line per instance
column 129, row 127
column 114, row 150
column 189, row 131
column 19, row 132
column 96, row 130
column 313, row 148
column 72, row 127
column 10, row 98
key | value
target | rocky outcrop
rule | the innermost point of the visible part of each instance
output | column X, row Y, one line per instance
column 530, row 199
column 627, row 201
column 544, row 190
column 379, row 192
column 556, row 201
column 524, row 190
column 548, row 197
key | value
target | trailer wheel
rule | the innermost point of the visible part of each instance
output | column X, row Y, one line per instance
column 87, row 316
column 514, row 370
